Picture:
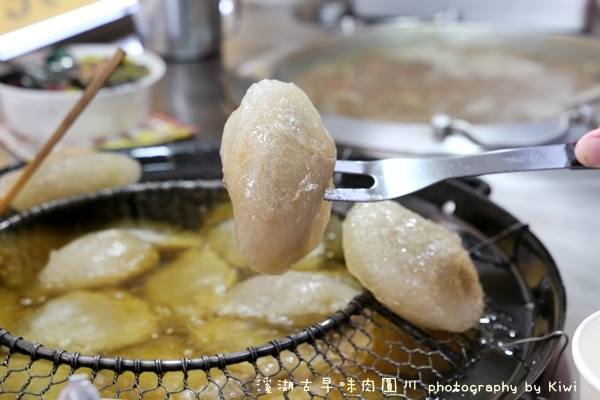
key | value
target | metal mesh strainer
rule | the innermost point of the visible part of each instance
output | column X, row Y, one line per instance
column 362, row 352
column 334, row 359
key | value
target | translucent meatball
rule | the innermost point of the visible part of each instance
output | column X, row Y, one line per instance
column 70, row 172
column 98, row 259
column 278, row 159
column 90, row 322
column 415, row 267
column 294, row 298
column 181, row 289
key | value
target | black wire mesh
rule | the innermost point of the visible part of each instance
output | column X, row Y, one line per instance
column 361, row 352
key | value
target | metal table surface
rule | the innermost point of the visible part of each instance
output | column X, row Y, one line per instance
column 561, row 207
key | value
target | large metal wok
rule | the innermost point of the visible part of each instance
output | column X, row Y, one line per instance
column 525, row 310
column 432, row 89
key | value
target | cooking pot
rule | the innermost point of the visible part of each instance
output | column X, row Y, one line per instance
column 427, row 89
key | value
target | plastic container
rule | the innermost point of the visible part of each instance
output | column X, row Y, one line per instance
column 586, row 355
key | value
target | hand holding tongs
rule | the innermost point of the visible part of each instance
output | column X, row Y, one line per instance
column 395, row 177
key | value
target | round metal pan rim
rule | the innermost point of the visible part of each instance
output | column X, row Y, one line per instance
column 392, row 137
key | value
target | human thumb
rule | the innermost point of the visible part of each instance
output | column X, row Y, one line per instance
column 587, row 149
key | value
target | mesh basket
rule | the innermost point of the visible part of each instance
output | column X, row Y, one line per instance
column 361, row 352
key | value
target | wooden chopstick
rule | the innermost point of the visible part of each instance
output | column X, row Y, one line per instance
column 88, row 94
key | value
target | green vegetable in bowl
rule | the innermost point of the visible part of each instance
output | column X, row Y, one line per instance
column 77, row 75
column 87, row 67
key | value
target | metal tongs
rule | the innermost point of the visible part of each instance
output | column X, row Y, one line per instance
column 396, row 177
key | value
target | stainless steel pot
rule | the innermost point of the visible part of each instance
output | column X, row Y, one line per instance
column 186, row 30
column 462, row 46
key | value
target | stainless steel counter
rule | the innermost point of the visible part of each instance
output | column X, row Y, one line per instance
column 191, row 92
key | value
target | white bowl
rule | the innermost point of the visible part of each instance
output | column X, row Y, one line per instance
column 36, row 113
column 586, row 355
